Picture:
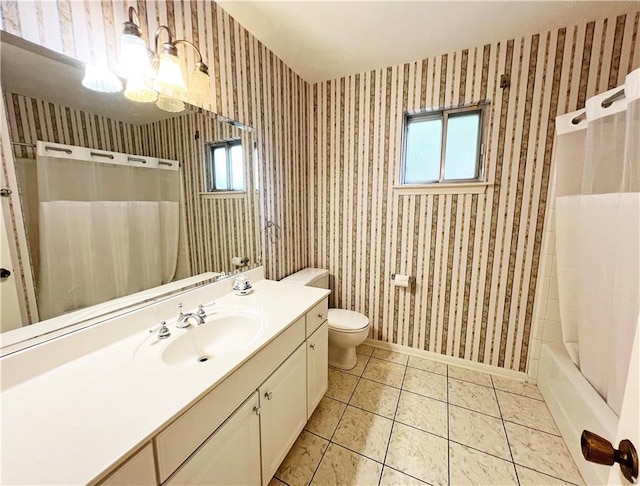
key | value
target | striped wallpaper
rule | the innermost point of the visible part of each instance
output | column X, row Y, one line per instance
column 218, row 228
column 215, row 229
column 249, row 84
column 329, row 156
column 474, row 256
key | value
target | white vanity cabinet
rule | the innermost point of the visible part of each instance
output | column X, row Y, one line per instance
column 228, row 439
column 231, row 456
column 283, row 414
column 317, row 366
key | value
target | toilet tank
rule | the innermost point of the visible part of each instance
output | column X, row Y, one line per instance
column 311, row 277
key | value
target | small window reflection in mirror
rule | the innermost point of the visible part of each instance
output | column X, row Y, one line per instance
column 226, row 166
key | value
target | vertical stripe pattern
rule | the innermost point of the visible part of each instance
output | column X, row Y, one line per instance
column 249, row 84
column 474, row 257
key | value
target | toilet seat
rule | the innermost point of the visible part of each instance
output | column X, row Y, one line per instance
column 343, row 320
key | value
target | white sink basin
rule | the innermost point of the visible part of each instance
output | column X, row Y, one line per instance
column 222, row 333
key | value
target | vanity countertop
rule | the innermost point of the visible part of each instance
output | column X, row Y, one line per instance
column 74, row 423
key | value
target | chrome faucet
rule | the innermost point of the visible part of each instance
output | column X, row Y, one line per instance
column 184, row 319
column 163, row 330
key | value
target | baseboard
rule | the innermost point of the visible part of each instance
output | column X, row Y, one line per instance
column 463, row 363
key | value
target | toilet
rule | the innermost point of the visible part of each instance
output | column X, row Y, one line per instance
column 347, row 329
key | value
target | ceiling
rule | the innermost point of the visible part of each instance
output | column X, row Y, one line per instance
column 322, row 40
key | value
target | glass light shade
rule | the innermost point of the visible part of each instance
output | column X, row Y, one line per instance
column 134, row 58
column 137, row 90
column 167, row 103
column 101, row 78
column 199, row 90
column 169, row 79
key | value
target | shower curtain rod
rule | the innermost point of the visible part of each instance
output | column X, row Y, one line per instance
column 606, row 103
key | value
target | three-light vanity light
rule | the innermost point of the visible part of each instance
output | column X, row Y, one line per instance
column 151, row 76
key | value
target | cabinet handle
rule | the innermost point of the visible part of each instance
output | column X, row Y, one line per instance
column 312, row 346
column 257, row 410
column 320, row 316
column 268, row 395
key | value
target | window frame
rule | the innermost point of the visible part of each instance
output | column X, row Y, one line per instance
column 444, row 115
column 210, row 181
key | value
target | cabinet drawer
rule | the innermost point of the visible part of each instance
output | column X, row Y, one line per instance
column 316, row 316
column 178, row 441
column 138, row 470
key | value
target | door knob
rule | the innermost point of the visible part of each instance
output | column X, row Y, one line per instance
column 599, row 450
column 4, row 273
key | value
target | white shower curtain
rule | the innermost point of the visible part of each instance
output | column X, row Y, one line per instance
column 106, row 231
column 597, row 162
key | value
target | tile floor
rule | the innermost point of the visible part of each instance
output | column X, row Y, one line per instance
column 401, row 420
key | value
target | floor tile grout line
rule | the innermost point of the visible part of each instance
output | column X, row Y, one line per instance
column 368, row 411
column 358, row 453
column 547, row 474
column 447, row 401
column 515, row 470
column 360, row 377
column 406, row 474
column 532, row 428
column 393, row 422
column 339, row 420
column 481, row 451
column 488, row 373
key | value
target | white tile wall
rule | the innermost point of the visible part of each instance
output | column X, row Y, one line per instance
column 546, row 317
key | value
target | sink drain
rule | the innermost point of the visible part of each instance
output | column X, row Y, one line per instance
column 202, row 359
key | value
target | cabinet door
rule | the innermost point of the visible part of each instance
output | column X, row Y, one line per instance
column 317, row 366
column 283, row 398
column 231, row 456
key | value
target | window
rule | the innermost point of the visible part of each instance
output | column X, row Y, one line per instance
column 226, row 166
column 444, row 146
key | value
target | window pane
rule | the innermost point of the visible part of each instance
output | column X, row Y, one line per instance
column 422, row 158
column 237, row 166
column 461, row 156
column 220, row 168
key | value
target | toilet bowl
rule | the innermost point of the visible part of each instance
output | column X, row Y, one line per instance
column 347, row 329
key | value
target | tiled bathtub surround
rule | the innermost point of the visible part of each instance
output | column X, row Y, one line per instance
column 400, row 420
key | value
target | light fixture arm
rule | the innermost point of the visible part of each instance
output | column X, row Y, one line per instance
column 132, row 27
column 200, row 63
column 168, row 46
column 184, row 41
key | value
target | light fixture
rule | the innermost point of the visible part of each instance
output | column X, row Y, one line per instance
column 144, row 84
column 101, row 78
column 168, row 80
column 134, row 55
column 167, row 103
column 199, row 89
column 138, row 90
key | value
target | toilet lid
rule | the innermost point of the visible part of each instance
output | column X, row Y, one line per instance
column 347, row 320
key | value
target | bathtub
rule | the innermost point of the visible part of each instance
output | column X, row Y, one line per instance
column 575, row 406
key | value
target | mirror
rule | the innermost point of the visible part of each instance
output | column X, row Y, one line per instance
column 88, row 246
